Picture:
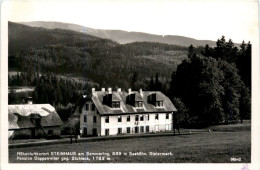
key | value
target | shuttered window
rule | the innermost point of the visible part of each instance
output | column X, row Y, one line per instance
column 93, row 107
column 157, row 117
column 119, row 118
column 128, row 118
column 107, row 119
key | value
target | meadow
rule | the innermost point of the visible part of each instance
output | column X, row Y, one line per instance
column 223, row 144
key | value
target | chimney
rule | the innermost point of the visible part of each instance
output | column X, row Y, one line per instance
column 109, row 90
column 129, row 90
column 93, row 90
column 103, row 89
column 141, row 92
column 29, row 100
column 119, row 90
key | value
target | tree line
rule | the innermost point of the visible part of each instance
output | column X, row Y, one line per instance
column 61, row 93
column 213, row 86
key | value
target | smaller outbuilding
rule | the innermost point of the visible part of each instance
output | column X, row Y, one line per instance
column 33, row 121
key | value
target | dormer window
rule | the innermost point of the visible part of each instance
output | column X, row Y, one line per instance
column 138, row 104
column 115, row 104
column 112, row 100
column 159, row 104
column 135, row 100
column 155, row 99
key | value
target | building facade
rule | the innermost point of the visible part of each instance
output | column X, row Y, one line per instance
column 33, row 121
column 118, row 112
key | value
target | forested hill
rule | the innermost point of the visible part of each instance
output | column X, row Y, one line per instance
column 22, row 37
column 100, row 60
column 123, row 37
column 64, row 64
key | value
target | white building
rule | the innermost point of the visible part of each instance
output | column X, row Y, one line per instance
column 119, row 112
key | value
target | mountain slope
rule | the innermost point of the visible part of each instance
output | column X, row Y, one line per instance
column 123, row 37
column 102, row 61
column 22, row 37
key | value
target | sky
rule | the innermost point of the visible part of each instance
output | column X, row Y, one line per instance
column 199, row 19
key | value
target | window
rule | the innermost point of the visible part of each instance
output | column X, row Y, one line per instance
column 159, row 104
column 142, row 129
column 50, row 132
column 38, row 122
column 116, row 105
column 106, row 132
column 147, row 117
column 93, row 107
column 119, row 118
column 141, row 117
column 119, row 130
column 85, row 118
column 128, row 129
column 136, row 117
column 157, row 117
column 107, row 119
column 87, row 106
column 167, row 115
column 128, row 118
column 138, row 104
column 147, row 128
column 95, row 119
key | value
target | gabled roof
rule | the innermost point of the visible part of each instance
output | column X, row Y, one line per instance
column 98, row 96
column 19, row 116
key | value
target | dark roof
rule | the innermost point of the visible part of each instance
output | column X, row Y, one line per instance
column 19, row 116
column 137, row 96
column 158, row 97
column 98, row 96
column 115, row 97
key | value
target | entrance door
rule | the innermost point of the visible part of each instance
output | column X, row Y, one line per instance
column 94, row 132
column 33, row 132
column 167, row 127
column 136, row 129
column 85, row 131
column 156, row 128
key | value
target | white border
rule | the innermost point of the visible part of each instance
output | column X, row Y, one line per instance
column 255, row 135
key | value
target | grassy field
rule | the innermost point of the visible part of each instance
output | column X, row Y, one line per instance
column 217, row 146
